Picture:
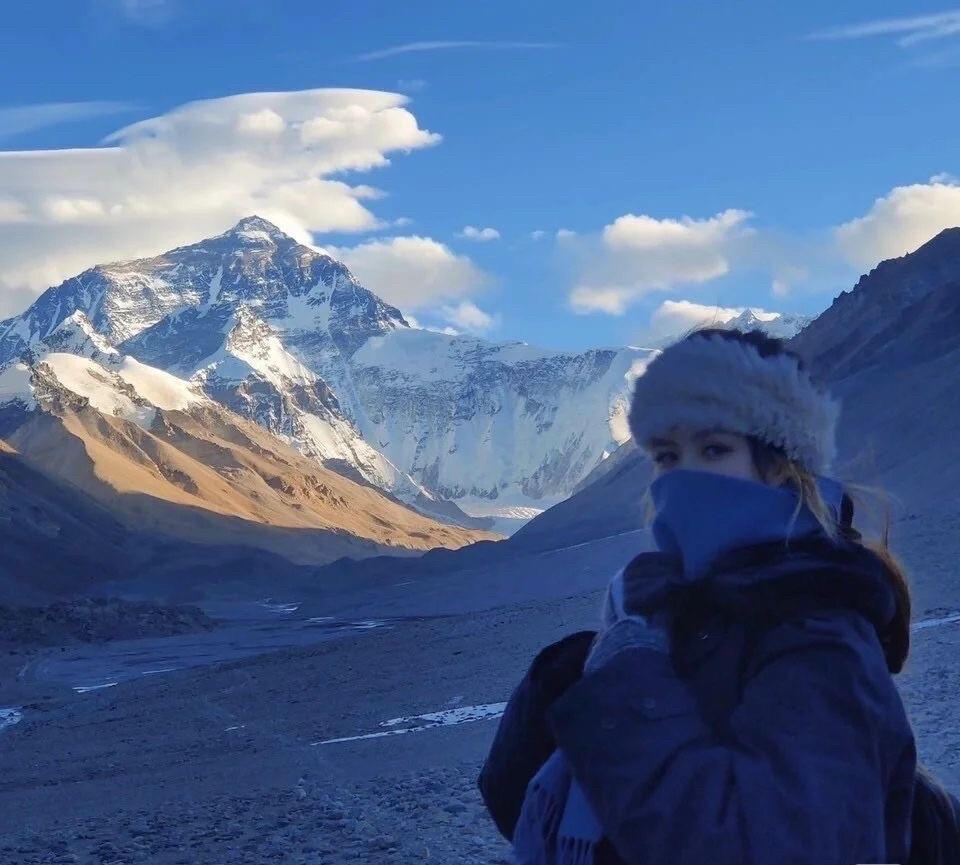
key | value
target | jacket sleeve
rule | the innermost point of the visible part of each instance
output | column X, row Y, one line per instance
column 523, row 741
column 797, row 776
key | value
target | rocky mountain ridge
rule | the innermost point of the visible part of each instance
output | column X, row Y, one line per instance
column 159, row 455
column 287, row 337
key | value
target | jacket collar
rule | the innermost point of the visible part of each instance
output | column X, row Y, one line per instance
column 701, row 515
column 771, row 579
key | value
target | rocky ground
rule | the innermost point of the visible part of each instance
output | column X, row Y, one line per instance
column 96, row 620
column 222, row 764
column 218, row 765
column 432, row 816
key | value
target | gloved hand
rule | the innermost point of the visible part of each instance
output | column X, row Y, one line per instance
column 632, row 616
column 634, row 632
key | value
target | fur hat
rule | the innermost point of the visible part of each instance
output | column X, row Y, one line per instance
column 714, row 380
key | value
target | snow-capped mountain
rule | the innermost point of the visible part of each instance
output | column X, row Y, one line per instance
column 120, row 387
column 286, row 336
column 202, row 312
column 782, row 325
column 777, row 324
column 890, row 349
column 160, row 454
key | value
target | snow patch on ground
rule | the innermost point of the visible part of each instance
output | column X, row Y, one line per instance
column 9, row 717
column 446, row 718
column 459, row 715
column 932, row 623
column 83, row 689
column 280, row 608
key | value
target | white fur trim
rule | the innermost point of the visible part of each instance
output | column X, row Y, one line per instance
column 708, row 381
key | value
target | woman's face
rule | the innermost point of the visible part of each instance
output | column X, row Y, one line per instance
column 705, row 450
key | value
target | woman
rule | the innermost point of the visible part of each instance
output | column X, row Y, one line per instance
column 737, row 705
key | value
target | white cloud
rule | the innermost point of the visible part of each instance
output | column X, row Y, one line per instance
column 479, row 234
column 899, row 222
column 678, row 316
column 412, row 272
column 423, row 275
column 192, row 173
column 415, row 323
column 648, row 234
column 565, row 234
column 27, row 118
column 12, row 211
column 538, row 234
column 445, row 45
column 610, row 299
column 779, row 288
column 468, row 316
column 264, row 122
column 673, row 318
column 911, row 30
column 636, row 255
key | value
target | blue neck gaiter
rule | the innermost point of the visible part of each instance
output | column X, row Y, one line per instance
column 702, row 515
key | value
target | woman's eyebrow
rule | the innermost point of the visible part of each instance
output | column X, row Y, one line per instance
column 659, row 443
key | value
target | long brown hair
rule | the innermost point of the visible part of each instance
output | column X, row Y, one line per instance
column 774, row 467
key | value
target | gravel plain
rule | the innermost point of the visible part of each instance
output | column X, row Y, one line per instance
column 220, row 764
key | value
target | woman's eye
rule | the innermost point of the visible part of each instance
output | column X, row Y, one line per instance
column 662, row 458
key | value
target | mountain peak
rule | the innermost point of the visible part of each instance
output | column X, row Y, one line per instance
column 945, row 244
column 901, row 281
column 257, row 228
column 881, row 318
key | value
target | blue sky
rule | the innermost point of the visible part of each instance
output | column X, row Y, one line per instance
column 702, row 154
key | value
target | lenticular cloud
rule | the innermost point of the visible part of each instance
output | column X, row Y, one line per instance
column 194, row 171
